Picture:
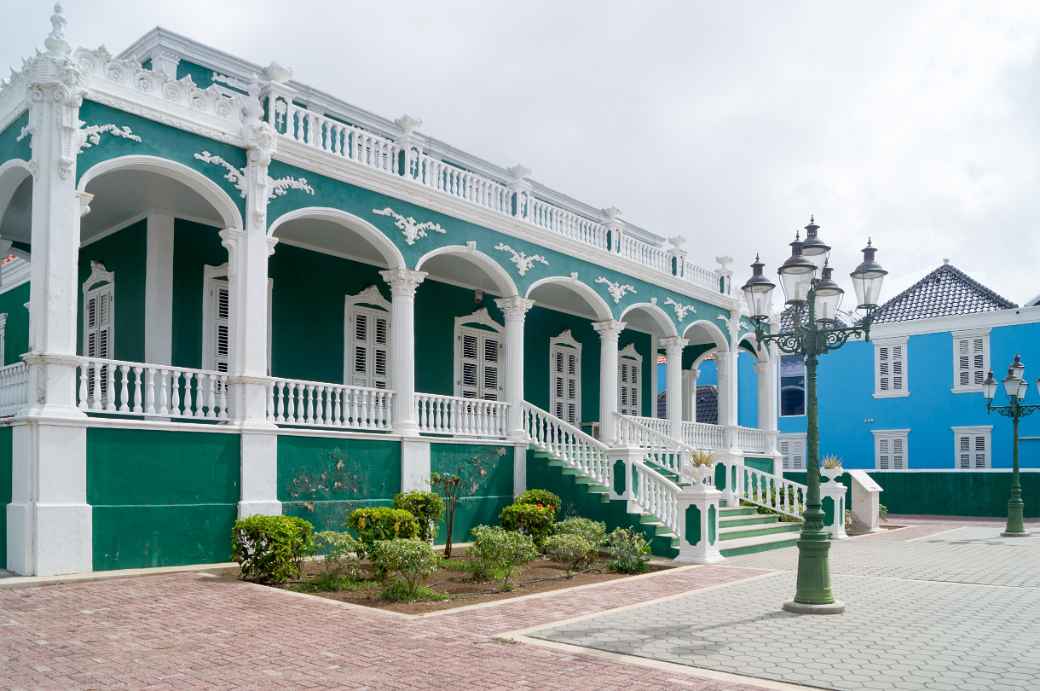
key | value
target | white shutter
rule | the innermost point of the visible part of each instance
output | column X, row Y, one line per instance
column 884, row 369
column 98, row 321
column 973, row 449
column 898, row 352
column 792, row 451
column 890, row 368
column 565, row 374
column 970, row 360
column 221, row 295
column 890, row 450
column 630, row 364
column 369, row 347
column 479, row 362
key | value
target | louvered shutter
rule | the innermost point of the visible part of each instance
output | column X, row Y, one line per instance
column 792, row 451
column 97, row 342
column 891, row 451
column 972, row 451
column 222, row 327
column 629, row 380
column 370, row 341
column 897, row 367
column 480, row 361
column 971, row 361
column 884, row 369
column 565, row 365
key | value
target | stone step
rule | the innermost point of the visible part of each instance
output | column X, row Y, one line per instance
column 756, row 519
column 738, row 532
column 761, row 543
column 730, row 511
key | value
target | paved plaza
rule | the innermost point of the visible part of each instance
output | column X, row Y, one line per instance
column 928, row 608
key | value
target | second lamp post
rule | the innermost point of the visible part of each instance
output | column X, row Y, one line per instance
column 815, row 329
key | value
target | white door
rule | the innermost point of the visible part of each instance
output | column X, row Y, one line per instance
column 478, row 364
column 565, row 375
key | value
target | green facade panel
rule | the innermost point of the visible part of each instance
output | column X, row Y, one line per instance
column 324, row 479
column 16, row 330
column 125, row 254
column 5, row 487
column 194, row 246
column 161, row 498
column 764, row 465
column 487, row 483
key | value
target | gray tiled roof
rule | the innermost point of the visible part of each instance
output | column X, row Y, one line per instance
column 945, row 292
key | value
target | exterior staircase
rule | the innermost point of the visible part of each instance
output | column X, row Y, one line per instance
column 742, row 530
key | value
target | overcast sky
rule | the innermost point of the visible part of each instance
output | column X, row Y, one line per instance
column 726, row 122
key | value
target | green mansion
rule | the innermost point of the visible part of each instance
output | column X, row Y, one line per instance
column 227, row 293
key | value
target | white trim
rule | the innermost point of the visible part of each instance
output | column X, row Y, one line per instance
column 971, row 432
column 980, row 320
column 382, row 244
column 158, row 289
column 369, row 302
column 561, row 345
column 101, row 283
column 630, row 353
column 799, row 438
column 15, row 274
column 903, row 361
column 594, row 300
column 969, row 336
column 495, row 330
column 495, row 271
column 891, row 436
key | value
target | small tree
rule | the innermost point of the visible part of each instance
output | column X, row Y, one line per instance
column 450, row 485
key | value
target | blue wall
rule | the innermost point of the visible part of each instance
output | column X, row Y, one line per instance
column 849, row 411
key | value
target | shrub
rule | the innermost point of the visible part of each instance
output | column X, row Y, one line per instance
column 382, row 523
column 570, row 549
column 593, row 531
column 497, row 553
column 629, row 551
column 882, row 512
column 403, row 564
column 270, row 549
column 540, row 497
column 427, row 507
column 535, row 520
column 341, row 552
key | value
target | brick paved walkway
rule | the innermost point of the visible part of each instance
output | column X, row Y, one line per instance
column 189, row 630
column 928, row 608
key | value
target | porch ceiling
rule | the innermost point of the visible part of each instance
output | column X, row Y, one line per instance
column 330, row 237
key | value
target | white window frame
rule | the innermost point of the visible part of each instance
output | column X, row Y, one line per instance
column 210, row 274
column 370, row 302
column 884, row 384
column 890, row 435
column 970, row 336
column 972, row 432
column 798, row 438
column 780, row 390
column 101, row 281
column 631, row 357
column 462, row 327
column 565, row 344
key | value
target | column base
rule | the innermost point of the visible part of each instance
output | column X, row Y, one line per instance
column 259, row 508
column 694, row 556
column 801, row 608
column 258, row 473
column 49, row 539
column 1024, row 533
column 415, row 465
column 407, row 429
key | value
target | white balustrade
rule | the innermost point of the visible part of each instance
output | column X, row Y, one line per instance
column 14, row 388
column 752, row 439
column 467, row 417
column 644, row 253
column 657, row 495
column 457, row 182
column 773, row 492
column 568, row 443
column 567, row 223
column 701, row 435
column 322, row 404
column 661, row 450
column 137, row 388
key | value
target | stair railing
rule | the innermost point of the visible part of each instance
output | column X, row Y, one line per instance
column 568, row 443
column 661, row 450
column 777, row 493
column 657, row 495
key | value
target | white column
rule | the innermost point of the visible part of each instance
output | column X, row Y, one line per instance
column 653, row 375
column 608, row 331
column 766, row 372
column 673, row 351
column 158, row 289
column 695, row 375
column 403, row 283
column 731, row 457
column 515, row 311
column 687, row 394
column 48, row 519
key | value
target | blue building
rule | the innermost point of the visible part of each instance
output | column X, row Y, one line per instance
column 911, row 398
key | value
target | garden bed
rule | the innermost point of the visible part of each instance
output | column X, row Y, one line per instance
column 453, row 583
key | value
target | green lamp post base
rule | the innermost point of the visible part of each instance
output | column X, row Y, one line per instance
column 1015, row 523
column 813, row 591
column 796, row 607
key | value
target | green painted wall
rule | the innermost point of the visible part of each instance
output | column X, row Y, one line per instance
column 541, row 325
column 194, row 245
column 487, row 483
column 161, row 498
column 5, row 488
column 323, row 480
column 10, row 147
column 16, row 332
column 125, row 254
column 763, row 464
column 948, row 493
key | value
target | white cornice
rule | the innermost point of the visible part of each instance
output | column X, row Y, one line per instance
column 964, row 322
column 14, row 274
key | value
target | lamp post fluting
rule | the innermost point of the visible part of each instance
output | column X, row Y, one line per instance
column 813, row 298
column 1016, row 387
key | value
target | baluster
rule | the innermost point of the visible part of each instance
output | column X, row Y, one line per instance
column 222, row 396
column 175, row 392
column 189, row 400
column 149, row 391
column 124, row 389
column 334, row 394
column 83, row 371
column 137, row 390
column 164, row 399
column 290, row 402
column 353, row 408
column 272, row 413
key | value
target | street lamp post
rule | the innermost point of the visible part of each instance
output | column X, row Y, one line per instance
column 1016, row 387
column 815, row 331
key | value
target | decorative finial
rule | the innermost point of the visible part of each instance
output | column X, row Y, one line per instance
column 946, row 260
column 812, row 218
column 797, row 235
column 55, row 43
column 756, row 257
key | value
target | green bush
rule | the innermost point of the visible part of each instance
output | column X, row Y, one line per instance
column 629, row 551
column 535, row 520
column 427, row 507
column 342, row 553
column 593, row 531
column 570, row 549
column 540, row 497
column 403, row 565
column 382, row 523
column 498, row 552
column 270, row 549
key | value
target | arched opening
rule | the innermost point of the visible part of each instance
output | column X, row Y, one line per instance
column 646, row 325
column 16, row 187
column 705, row 340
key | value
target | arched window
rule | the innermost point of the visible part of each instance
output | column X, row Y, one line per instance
column 367, row 339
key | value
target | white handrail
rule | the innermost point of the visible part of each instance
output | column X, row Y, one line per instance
column 752, row 439
column 568, row 443
column 701, row 435
column 773, row 492
column 661, row 449
column 322, row 404
column 14, row 388
column 656, row 495
column 138, row 388
column 468, row 417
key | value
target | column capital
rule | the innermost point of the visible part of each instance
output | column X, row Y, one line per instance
column 514, row 307
column 609, row 328
column 672, row 343
column 84, row 202
column 403, row 282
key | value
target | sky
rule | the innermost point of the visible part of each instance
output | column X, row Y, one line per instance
column 916, row 124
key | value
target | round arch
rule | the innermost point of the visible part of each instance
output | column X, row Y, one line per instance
column 706, row 328
column 12, row 174
column 470, row 254
column 658, row 317
column 590, row 297
column 191, row 178
column 750, row 339
column 380, row 242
